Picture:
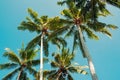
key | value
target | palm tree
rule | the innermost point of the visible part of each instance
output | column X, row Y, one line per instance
column 44, row 26
column 22, row 64
column 96, row 7
column 64, row 67
column 76, row 24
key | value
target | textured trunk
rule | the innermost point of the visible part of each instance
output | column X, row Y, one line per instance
column 41, row 58
column 87, row 55
column 18, row 78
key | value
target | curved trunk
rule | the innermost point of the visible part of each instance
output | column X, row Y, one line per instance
column 87, row 55
column 18, row 78
column 41, row 58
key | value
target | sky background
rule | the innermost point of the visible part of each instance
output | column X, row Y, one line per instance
column 105, row 52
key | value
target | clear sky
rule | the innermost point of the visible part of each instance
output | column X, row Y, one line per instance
column 105, row 52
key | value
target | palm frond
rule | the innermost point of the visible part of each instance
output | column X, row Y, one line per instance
column 34, row 42
column 58, row 32
column 53, row 76
column 24, row 76
column 60, row 40
column 70, row 77
column 61, row 2
column 77, row 69
column 70, row 32
column 57, row 58
column 33, row 62
column 31, row 26
column 54, row 64
column 67, row 14
column 46, row 73
column 11, row 74
column 44, row 20
column 56, row 23
column 31, row 53
column 34, row 16
column 8, row 66
column 12, row 56
column 89, row 32
column 111, row 26
column 114, row 3
column 105, row 31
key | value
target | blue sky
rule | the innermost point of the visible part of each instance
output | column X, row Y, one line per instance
column 105, row 52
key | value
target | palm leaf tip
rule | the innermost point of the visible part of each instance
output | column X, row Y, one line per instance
column 32, row 13
column 112, row 26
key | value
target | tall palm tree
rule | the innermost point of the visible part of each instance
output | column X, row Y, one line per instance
column 64, row 67
column 22, row 64
column 44, row 26
column 76, row 24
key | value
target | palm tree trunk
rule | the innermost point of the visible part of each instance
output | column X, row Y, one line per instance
column 41, row 58
column 87, row 55
column 18, row 78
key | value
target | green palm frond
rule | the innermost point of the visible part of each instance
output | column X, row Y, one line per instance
column 77, row 69
column 114, row 3
column 58, row 32
column 54, row 64
column 103, row 9
column 61, row 2
column 60, row 40
column 34, row 16
column 45, row 73
column 8, row 65
column 70, row 77
column 111, row 26
column 53, row 76
column 55, row 23
column 70, row 32
column 33, row 62
column 57, row 58
column 24, row 76
column 34, row 42
column 44, row 20
column 89, row 32
column 11, row 56
column 11, row 74
column 105, row 31
column 48, row 72
column 67, row 13
column 31, row 26
column 102, row 27
column 22, row 53
column 31, row 53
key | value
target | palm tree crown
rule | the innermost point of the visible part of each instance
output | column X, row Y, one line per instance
column 23, row 63
column 42, row 25
column 64, row 67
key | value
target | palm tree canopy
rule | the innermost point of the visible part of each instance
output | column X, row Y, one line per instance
column 74, row 17
column 41, row 25
column 93, row 8
column 64, row 66
column 25, row 60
